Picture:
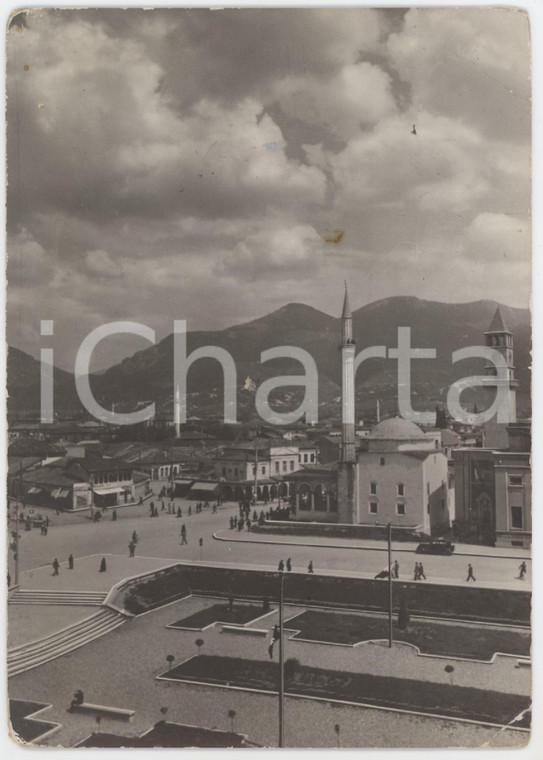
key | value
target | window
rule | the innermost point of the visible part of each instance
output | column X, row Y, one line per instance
column 263, row 471
column 292, row 465
column 284, row 466
column 374, row 507
column 401, row 491
column 277, row 467
column 515, row 480
column 400, row 509
column 382, row 461
column 254, row 470
column 373, row 488
column 516, row 518
column 312, row 457
column 306, row 457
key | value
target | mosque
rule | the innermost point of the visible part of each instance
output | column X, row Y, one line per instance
column 397, row 474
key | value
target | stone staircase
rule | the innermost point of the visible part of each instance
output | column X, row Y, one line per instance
column 36, row 653
column 72, row 598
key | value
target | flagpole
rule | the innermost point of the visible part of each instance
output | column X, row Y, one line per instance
column 281, row 664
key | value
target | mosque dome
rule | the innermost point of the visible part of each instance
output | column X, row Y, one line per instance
column 397, row 429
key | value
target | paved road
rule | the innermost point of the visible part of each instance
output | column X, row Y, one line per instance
column 160, row 538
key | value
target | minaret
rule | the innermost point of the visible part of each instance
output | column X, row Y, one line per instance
column 347, row 470
column 500, row 338
column 177, row 413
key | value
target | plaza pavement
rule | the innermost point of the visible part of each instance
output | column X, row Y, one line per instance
column 120, row 670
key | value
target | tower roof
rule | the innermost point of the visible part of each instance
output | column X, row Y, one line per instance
column 498, row 323
column 346, row 313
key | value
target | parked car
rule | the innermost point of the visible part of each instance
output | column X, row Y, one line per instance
column 435, row 547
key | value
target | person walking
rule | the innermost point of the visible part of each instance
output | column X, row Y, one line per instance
column 56, row 566
column 421, row 571
column 289, row 565
column 70, row 562
column 522, row 571
column 416, row 572
column 103, row 566
column 281, row 567
column 214, row 509
column 396, row 569
column 179, row 512
column 470, row 577
column 310, row 567
column 184, row 534
column 131, row 549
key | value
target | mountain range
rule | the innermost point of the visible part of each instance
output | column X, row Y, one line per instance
column 148, row 374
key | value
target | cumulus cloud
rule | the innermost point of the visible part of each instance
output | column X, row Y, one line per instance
column 296, row 251
column 178, row 155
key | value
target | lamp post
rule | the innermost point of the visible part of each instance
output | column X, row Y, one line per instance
column 390, row 629
column 281, row 664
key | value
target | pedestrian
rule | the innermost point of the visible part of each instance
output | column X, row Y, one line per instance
column 289, row 565
column 131, row 549
column 421, row 571
column 114, row 515
column 162, row 506
column 184, row 534
column 396, row 569
column 47, row 521
column 103, row 566
column 141, row 501
column 235, row 519
column 470, row 577
column 310, row 567
column 55, row 566
column 270, row 650
column 214, row 510
column 151, row 508
column 281, row 566
column 416, row 572
column 190, row 510
column 179, row 512
column 522, row 571
column 70, row 562
column 134, row 537
column 248, row 524
column 241, row 523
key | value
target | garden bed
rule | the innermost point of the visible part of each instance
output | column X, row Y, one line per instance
column 467, row 603
column 28, row 729
column 220, row 613
column 368, row 532
column 440, row 638
column 398, row 693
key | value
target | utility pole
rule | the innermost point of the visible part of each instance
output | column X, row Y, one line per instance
column 281, row 664
column 21, row 494
column 256, row 471
column 390, row 629
column 91, row 483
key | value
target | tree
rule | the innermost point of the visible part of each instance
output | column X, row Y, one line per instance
column 199, row 643
column 403, row 615
column 232, row 714
column 170, row 658
column 441, row 418
column 450, row 670
column 292, row 665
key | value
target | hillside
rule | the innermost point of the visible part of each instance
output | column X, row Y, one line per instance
column 148, row 374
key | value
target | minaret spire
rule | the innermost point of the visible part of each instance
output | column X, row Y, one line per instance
column 347, row 319
column 347, row 471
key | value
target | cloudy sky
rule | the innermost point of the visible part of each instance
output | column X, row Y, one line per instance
column 198, row 165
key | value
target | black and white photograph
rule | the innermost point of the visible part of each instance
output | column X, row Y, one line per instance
column 268, row 366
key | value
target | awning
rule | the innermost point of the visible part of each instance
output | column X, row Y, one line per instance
column 102, row 491
column 60, row 493
column 201, row 486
